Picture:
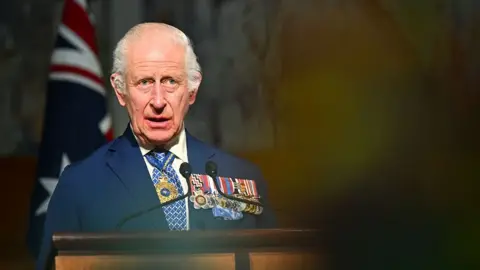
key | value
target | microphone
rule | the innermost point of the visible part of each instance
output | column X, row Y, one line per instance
column 185, row 171
column 211, row 170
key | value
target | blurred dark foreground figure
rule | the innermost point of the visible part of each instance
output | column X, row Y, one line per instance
column 373, row 228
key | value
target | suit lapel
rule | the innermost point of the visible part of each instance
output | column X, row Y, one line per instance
column 127, row 163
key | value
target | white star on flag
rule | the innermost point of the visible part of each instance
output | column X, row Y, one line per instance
column 49, row 183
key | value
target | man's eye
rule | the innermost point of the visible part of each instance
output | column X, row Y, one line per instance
column 144, row 81
column 169, row 81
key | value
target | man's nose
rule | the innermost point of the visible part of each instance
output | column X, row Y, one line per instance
column 158, row 97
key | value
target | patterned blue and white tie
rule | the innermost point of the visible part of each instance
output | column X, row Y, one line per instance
column 175, row 213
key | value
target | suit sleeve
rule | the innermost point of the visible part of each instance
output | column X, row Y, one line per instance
column 268, row 219
column 62, row 216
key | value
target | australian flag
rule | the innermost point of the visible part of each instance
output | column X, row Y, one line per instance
column 76, row 121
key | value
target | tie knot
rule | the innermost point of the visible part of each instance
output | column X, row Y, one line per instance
column 160, row 159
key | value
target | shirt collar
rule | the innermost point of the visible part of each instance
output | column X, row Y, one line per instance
column 178, row 146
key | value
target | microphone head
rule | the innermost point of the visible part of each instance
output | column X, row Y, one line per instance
column 185, row 170
column 211, row 168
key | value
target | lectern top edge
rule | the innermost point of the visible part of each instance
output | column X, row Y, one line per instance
column 191, row 241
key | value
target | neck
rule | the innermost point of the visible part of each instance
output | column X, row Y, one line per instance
column 144, row 143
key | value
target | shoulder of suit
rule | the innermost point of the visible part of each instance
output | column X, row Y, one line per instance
column 225, row 156
column 93, row 160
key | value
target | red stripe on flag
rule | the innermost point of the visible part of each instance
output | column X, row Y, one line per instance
column 76, row 18
column 79, row 71
column 109, row 134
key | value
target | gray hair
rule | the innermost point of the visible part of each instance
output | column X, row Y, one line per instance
column 191, row 64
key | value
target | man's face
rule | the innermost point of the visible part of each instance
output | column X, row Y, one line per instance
column 156, row 94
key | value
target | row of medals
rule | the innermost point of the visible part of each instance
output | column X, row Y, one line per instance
column 167, row 191
column 205, row 201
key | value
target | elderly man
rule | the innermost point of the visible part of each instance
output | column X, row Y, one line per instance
column 156, row 77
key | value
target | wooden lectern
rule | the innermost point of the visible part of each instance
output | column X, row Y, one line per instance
column 225, row 250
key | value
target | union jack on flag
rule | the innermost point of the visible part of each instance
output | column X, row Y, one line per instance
column 76, row 120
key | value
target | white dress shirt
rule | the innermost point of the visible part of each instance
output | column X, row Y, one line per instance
column 178, row 147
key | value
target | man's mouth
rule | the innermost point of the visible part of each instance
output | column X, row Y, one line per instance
column 157, row 119
column 158, row 122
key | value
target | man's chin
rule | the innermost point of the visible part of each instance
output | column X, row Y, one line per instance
column 159, row 138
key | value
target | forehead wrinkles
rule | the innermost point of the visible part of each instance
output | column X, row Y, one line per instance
column 169, row 65
column 151, row 68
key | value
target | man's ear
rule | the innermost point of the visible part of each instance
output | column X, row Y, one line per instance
column 118, row 85
column 197, row 79
column 192, row 96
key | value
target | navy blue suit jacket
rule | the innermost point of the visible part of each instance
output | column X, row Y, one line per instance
column 93, row 195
